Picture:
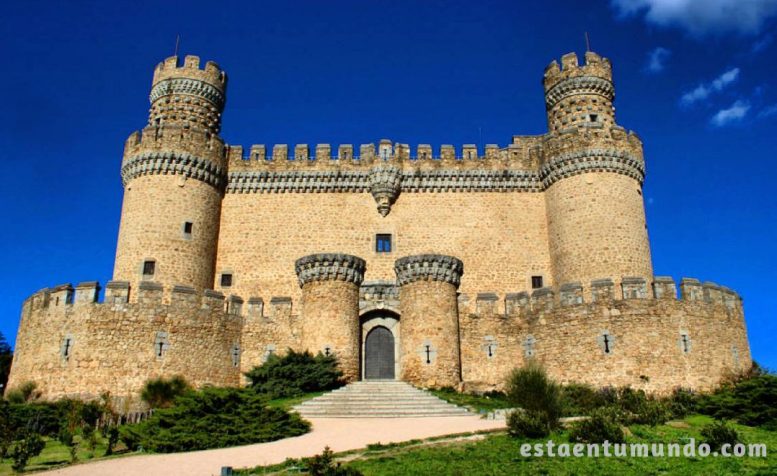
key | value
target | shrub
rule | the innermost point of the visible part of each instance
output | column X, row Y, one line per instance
column 294, row 374
column 112, row 434
column 682, row 402
column 67, row 438
column 526, row 424
column 7, row 431
column 160, row 392
column 718, row 433
column 43, row 418
column 29, row 445
column 325, row 465
column 751, row 402
column 531, row 389
column 603, row 425
column 26, row 392
column 581, row 399
column 212, row 418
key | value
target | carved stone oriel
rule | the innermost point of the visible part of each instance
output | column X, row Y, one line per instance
column 385, row 181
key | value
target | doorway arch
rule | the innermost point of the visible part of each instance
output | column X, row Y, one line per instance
column 380, row 346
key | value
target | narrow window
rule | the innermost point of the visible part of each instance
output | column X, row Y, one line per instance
column 67, row 348
column 594, row 117
column 187, row 229
column 226, row 280
column 148, row 268
column 606, row 343
column 536, row 282
column 428, row 350
column 685, row 343
column 383, row 243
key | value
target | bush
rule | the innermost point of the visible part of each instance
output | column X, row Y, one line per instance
column 294, row 374
column 26, row 392
column 212, row 418
column 29, row 445
column 580, row 399
column 531, row 389
column 750, row 402
column 160, row 392
column 325, row 465
column 525, row 424
column 682, row 402
column 718, row 433
column 603, row 425
column 112, row 434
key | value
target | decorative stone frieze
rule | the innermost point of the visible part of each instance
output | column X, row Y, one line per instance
column 579, row 85
column 429, row 267
column 592, row 160
column 330, row 266
column 173, row 163
column 193, row 87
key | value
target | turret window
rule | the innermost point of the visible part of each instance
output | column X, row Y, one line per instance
column 536, row 282
column 226, row 280
column 594, row 117
column 149, row 267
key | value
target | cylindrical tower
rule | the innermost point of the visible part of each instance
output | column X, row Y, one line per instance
column 429, row 347
column 330, row 307
column 174, row 175
column 592, row 173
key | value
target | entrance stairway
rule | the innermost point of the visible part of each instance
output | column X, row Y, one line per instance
column 378, row 399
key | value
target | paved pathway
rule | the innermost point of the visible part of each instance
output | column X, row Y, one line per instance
column 340, row 434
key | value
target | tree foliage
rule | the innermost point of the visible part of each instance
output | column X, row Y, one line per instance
column 213, row 418
column 160, row 392
column 295, row 373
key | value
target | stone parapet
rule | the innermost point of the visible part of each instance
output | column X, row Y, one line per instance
column 429, row 267
column 330, row 267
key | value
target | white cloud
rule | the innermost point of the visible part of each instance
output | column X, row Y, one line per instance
column 704, row 90
column 701, row 17
column 736, row 112
column 768, row 111
column 657, row 60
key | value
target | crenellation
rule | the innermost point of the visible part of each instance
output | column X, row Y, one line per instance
column 486, row 303
column 366, row 152
column 301, row 152
column 634, row 287
column 447, row 152
column 691, row 289
column 424, row 152
column 571, row 294
column 323, row 152
column 345, row 152
column 280, row 152
column 517, row 303
column 664, row 287
column 712, row 293
column 258, row 153
column 543, row 299
column 255, row 308
column 87, row 292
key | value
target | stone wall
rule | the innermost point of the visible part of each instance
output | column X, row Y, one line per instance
column 654, row 341
column 76, row 347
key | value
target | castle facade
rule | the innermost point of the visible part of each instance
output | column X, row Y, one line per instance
column 439, row 266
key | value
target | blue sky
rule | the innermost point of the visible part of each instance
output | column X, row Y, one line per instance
column 694, row 78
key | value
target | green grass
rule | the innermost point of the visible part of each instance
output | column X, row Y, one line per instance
column 478, row 403
column 286, row 403
column 56, row 455
column 499, row 454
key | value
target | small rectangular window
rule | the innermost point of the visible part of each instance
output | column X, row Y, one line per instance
column 536, row 282
column 383, row 243
column 594, row 117
column 148, row 268
column 187, row 228
column 226, row 280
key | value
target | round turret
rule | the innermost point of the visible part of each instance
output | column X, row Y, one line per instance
column 579, row 96
column 188, row 96
column 174, row 174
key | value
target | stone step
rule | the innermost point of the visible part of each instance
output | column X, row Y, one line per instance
column 378, row 399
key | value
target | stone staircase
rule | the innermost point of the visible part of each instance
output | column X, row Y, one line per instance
column 378, row 399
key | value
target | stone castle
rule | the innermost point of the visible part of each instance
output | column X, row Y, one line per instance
column 435, row 266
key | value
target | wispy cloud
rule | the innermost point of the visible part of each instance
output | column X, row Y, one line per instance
column 656, row 61
column 768, row 111
column 762, row 43
column 702, row 17
column 704, row 90
column 736, row 112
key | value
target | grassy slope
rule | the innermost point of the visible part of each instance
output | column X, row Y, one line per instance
column 478, row 403
column 500, row 454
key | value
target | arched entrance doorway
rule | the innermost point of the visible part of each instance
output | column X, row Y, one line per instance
column 380, row 345
column 379, row 354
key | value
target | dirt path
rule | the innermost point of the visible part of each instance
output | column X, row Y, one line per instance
column 339, row 434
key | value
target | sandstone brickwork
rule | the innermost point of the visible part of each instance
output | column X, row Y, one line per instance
column 228, row 255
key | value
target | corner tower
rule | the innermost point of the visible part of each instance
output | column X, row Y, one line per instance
column 593, row 172
column 174, row 175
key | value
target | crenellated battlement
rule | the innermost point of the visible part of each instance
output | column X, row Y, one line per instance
column 119, row 296
column 605, row 290
column 190, row 68
column 594, row 66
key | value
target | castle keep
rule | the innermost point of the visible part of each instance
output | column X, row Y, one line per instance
column 439, row 266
